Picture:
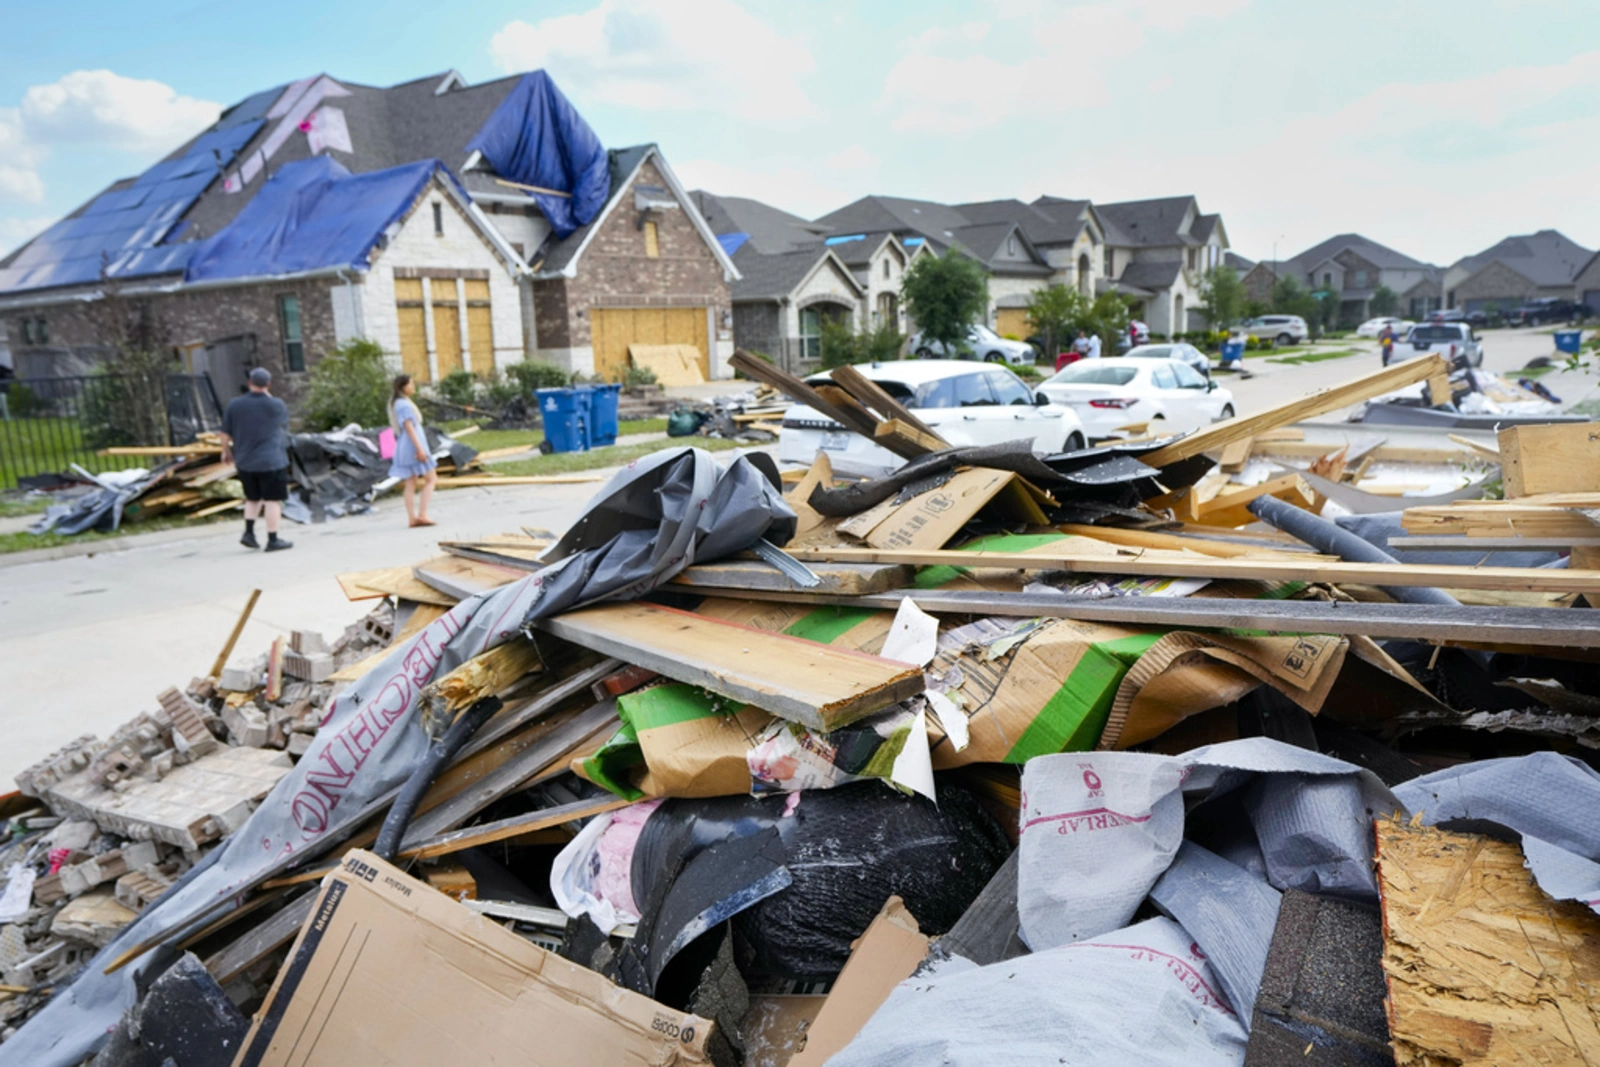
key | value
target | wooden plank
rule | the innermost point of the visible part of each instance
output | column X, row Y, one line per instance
column 216, row 509
column 1482, row 966
column 194, row 449
column 1493, row 544
column 760, row 370
column 233, row 636
column 1231, row 509
column 1558, row 458
column 873, row 396
column 813, row 684
column 1547, row 631
column 857, row 417
column 516, row 826
column 900, row 437
column 848, row 578
column 463, row 578
column 392, row 581
column 1235, row 454
column 1439, row 390
column 421, row 617
column 1365, row 387
column 255, row 944
column 1382, row 453
column 510, row 450
column 1483, row 451
column 1156, row 563
column 1177, row 542
column 1502, row 521
column 483, row 675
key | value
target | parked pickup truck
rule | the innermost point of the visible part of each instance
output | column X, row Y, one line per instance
column 1453, row 340
column 1547, row 309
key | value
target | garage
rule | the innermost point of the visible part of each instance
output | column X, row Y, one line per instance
column 1012, row 322
column 612, row 330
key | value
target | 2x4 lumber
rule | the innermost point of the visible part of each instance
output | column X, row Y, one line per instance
column 233, row 635
column 1112, row 535
column 1558, row 458
column 254, row 944
column 1155, row 563
column 1382, row 453
column 516, row 826
column 1499, row 521
column 483, row 675
column 1549, row 631
column 760, row 370
column 1488, row 452
column 1235, row 454
column 1493, row 544
column 907, row 437
column 1241, row 426
column 162, row 450
column 1231, row 509
column 816, row 685
column 858, row 418
column 875, row 397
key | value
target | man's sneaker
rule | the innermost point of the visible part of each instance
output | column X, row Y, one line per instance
column 278, row 544
column 249, row 540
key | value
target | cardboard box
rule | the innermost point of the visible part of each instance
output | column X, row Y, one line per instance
column 388, row 970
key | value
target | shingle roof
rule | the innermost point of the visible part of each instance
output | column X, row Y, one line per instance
column 555, row 255
column 1151, row 276
column 1380, row 256
column 768, row 277
column 1237, row 262
column 895, row 214
column 1546, row 258
column 771, row 230
column 1054, row 224
column 1146, row 222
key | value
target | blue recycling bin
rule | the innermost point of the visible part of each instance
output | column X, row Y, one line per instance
column 566, row 419
column 603, row 401
column 1568, row 341
column 1232, row 351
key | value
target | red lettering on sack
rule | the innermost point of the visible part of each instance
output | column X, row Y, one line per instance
column 1092, row 819
column 1191, row 979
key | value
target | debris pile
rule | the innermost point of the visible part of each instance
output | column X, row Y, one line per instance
column 754, row 416
column 1089, row 758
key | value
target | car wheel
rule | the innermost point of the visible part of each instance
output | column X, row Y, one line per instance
column 1075, row 442
column 924, row 353
column 1226, row 413
column 1285, row 339
column 995, row 357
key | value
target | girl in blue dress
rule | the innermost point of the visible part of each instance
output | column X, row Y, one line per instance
column 412, row 460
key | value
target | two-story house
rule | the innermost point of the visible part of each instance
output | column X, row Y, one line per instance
column 1516, row 269
column 1157, row 252
column 1356, row 267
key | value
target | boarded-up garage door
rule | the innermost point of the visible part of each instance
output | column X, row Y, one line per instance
column 1012, row 322
column 612, row 330
column 413, row 328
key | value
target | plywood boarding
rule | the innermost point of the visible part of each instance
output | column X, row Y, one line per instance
column 1012, row 322
column 813, row 684
column 446, row 333
column 1483, row 967
column 671, row 364
column 414, row 342
column 480, row 326
column 612, row 330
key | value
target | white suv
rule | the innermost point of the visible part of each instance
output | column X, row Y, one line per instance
column 982, row 343
column 1280, row 329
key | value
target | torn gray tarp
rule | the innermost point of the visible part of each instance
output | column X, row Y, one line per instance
column 101, row 507
column 651, row 520
column 1229, row 912
column 1142, row 995
column 1549, row 799
column 1098, row 829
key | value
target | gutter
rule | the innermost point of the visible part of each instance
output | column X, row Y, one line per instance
column 98, row 293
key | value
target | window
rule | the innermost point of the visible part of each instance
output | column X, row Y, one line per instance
column 1191, row 259
column 41, row 331
column 1163, row 378
column 652, row 241
column 438, row 219
column 1327, row 279
column 27, row 331
column 886, row 268
column 1111, row 263
column 294, row 351
column 1188, row 377
column 972, row 390
column 1095, row 372
column 1008, row 389
column 1361, row 279
column 810, row 332
column 1011, row 245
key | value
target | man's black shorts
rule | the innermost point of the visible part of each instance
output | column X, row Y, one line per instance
column 265, row 485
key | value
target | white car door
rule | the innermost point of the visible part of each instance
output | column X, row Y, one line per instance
column 1202, row 402
column 963, row 410
column 1045, row 426
column 1177, row 404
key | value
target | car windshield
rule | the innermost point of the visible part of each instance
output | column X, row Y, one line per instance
column 983, row 333
column 1436, row 333
column 1094, row 373
column 1154, row 352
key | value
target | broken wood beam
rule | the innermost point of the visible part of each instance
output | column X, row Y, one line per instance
column 1365, row 387
column 484, row 675
column 816, row 685
column 1159, row 564
column 1128, row 538
column 515, row 826
column 905, row 437
column 875, row 397
column 1559, row 458
column 233, row 635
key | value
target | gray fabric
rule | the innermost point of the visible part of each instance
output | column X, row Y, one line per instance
column 1138, row 995
column 1377, row 529
column 649, row 522
column 1229, row 912
column 258, row 425
column 1550, row 799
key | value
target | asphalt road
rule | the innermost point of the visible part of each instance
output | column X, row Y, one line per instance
column 90, row 640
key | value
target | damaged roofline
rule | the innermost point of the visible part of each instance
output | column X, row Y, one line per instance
column 177, row 285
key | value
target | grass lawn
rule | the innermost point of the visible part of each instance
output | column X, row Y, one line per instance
column 489, row 440
column 22, row 541
column 12, row 506
column 46, row 446
column 615, row 455
column 1317, row 357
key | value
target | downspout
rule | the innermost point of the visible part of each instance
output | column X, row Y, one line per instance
column 356, row 310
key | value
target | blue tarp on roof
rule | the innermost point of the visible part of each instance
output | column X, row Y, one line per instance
column 311, row 215
column 536, row 137
column 732, row 242
column 121, row 230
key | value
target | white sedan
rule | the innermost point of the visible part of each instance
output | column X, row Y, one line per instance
column 966, row 404
column 1373, row 327
column 1112, row 394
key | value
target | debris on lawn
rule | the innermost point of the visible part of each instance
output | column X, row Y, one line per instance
column 1126, row 755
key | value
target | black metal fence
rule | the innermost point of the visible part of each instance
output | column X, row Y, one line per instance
column 48, row 424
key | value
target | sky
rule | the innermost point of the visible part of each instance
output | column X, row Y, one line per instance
column 1436, row 127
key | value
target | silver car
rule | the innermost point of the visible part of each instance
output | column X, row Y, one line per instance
column 982, row 343
column 1453, row 340
column 1185, row 353
column 1280, row 329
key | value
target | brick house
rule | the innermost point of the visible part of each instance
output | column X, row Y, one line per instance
column 1356, row 267
column 1516, row 269
column 469, row 272
column 1586, row 285
column 1157, row 253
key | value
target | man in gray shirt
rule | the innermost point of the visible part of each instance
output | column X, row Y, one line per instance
column 255, row 439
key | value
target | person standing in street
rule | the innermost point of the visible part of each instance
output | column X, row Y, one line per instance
column 255, row 439
column 1386, row 342
column 412, row 460
column 1094, row 347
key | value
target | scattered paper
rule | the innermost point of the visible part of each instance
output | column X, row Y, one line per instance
column 914, row 637
column 19, row 891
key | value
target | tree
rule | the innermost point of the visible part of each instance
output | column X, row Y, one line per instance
column 946, row 295
column 1222, row 296
column 1108, row 317
column 1056, row 313
column 841, row 346
column 1290, row 298
column 1384, row 301
column 349, row 384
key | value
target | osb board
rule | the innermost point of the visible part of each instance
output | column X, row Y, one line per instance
column 391, row 581
column 1483, row 967
column 671, row 364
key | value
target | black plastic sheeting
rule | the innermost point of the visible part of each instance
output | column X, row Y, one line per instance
column 845, row 851
column 334, row 474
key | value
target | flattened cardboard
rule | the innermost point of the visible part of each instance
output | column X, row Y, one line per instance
column 883, row 957
column 931, row 519
column 388, row 970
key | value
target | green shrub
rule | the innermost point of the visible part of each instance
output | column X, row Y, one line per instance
column 638, row 376
column 459, row 387
column 498, row 391
column 841, row 346
column 533, row 374
column 350, row 384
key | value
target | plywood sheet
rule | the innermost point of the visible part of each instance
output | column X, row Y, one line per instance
column 671, row 364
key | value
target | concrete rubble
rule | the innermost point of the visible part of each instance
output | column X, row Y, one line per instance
column 1004, row 758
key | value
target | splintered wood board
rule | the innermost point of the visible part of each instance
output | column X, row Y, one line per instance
column 813, row 684
column 1483, row 967
column 392, row 581
column 1482, row 519
column 458, row 577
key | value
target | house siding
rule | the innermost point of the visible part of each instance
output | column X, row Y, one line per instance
column 1499, row 285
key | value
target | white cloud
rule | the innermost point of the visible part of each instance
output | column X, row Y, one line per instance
column 19, row 178
column 105, row 109
column 665, row 55
column 793, row 186
column 853, row 158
